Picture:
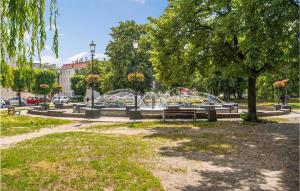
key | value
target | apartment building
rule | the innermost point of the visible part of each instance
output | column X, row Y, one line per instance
column 66, row 72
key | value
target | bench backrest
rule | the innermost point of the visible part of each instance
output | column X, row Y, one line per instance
column 179, row 110
column 10, row 107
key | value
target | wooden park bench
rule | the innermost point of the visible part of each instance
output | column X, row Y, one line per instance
column 179, row 113
column 12, row 110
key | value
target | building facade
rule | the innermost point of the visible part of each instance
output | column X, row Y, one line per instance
column 66, row 72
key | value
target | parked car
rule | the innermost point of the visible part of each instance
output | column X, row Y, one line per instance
column 15, row 101
column 33, row 100
column 60, row 99
column 2, row 103
column 76, row 99
column 41, row 99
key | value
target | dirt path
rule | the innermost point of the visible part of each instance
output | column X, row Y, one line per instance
column 11, row 140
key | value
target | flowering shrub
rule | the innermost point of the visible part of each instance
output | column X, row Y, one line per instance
column 281, row 83
column 44, row 86
column 284, row 83
column 136, row 76
column 58, row 88
column 92, row 79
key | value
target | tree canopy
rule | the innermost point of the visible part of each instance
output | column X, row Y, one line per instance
column 247, row 37
column 47, row 77
column 78, row 85
column 23, row 28
column 124, row 59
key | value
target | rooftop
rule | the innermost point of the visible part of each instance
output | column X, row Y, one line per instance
column 74, row 65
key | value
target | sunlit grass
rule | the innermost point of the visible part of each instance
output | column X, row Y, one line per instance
column 188, row 132
column 15, row 124
column 78, row 161
column 159, row 124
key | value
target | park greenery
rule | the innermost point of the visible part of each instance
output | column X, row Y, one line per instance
column 21, row 81
column 32, row 80
column 23, row 29
column 233, row 49
column 248, row 38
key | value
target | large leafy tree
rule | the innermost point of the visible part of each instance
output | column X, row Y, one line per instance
column 78, row 85
column 123, row 57
column 247, row 37
column 83, row 72
column 22, row 80
column 44, row 77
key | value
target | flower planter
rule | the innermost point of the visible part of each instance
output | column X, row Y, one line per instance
column 128, row 108
column 135, row 114
column 92, row 113
column 212, row 115
column 45, row 107
column 287, row 107
column 59, row 105
column 277, row 107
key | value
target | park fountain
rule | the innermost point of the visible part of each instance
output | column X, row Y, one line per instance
column 116, row 98
column 152, row 100
column 120, row 103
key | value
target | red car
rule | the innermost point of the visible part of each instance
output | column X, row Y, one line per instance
column 33, row 100
column 41, row 99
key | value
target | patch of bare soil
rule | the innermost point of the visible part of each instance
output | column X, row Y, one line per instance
column 262, row 157
column 125, row 131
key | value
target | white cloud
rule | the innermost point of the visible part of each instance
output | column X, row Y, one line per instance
column 140, row 1
column 48, row 59
column 100, row 56
column 84, row 55
column 77, row 56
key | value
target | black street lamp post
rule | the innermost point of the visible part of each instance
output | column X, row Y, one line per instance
column 92, row 48
column 58, row 83
column 135, row 47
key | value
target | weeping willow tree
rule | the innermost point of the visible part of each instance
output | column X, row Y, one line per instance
column 23, row 33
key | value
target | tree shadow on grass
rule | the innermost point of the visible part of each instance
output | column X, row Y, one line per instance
column 247, row 157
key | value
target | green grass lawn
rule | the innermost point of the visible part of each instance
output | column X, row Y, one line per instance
column 78, row 161
column 159, row 124
column 269, row 103
column 14, row 124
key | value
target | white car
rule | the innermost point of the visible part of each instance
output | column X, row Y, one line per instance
column 2, row 103
column 15, row 101
column 60, row 99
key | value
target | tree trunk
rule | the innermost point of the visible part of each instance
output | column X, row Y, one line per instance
column 252, row 98
column 19, row 93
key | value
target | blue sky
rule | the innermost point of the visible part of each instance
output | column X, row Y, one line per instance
column 81, row 21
